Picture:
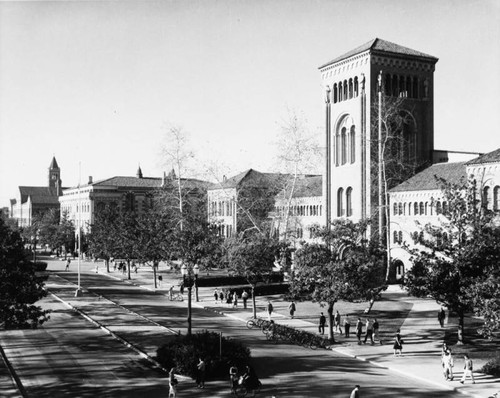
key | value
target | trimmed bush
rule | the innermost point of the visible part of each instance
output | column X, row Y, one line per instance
column 492, row 367
column 183, row 353
column 40, row 266
column 218, row 281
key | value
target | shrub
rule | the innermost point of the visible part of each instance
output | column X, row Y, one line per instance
column 217, row 281
column 492, row 367
column 183, row 353
column 40, row 266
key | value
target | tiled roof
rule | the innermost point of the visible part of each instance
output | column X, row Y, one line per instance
column 491, row 157
column 426, row 181
column 305, row 186
column 379, row 45
column 251, row 176
column 38, row 194
column 145, row 182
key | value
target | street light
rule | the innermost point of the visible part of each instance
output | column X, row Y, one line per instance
column 189, row 278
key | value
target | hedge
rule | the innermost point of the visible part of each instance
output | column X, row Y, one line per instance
column 492, row 367
column 39, row 266
column 183, row 353
column 229, row 280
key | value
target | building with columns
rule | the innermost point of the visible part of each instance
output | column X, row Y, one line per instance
column 351, row 85
column 33, row 201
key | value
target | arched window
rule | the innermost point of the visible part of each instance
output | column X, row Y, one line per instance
column 351, row 88
column 395, row 86
column 438, row 207
column 415, row 208
column 426, row 208
column 388, row 84
column 345, row 87
column 340, row 204
column 486, row 198
column 409, row 208
column 422, row 208
column 395, row 236
column 395, row 209
column 415, row 87
column 353, row 144
column 343, row 144
column 341, row 92
column 400, row 207
column 400, row 236
column 348, row 198
column 445, row 208
column 335, row 94
column 496, row 198
column 404, row 209
column 356, row 87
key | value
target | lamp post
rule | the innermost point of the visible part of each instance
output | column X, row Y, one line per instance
column 196, row 271
column 189, row 278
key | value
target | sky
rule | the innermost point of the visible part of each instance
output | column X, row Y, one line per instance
column 97, row 84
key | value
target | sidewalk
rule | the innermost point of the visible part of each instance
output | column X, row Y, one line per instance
column 415, row 317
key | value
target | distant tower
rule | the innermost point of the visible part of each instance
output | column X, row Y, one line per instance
column 54, row 175
column 351, row 84
column 139, row 172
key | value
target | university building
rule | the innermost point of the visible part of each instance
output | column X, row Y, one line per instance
column 33, row 201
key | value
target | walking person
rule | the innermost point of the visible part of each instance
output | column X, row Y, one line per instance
column 171, row 293
column 336, row 320
column 68, row 262
column 244, row 296
column 355, row 393
column 221, row 296
column 369, row 331
column 181, row 288
column 398, row 344
column 160, row 280
column 347, row 326
column 376, row 328
column 172, row 384
column 292, row 308
column 468, row 371
column 235, row 299
column 233, row 378
column 441, row 317
column 448, row 365
column 216, row 295
column 269, row 309
column 322, row 323
column 359, row 330
column 200, row 381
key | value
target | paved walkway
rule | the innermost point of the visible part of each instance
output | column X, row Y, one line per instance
column 417, row 319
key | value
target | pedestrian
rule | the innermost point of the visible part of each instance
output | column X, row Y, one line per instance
column 322, row 322
column 171, row 293
column 181, row 289
column 369, row 331
column 355, row 393
column 444, row 348
column 376, row 328
column 441, row 317
column 172, row 384
column 467, row 369
column 448, row 365
column 398, row 344
column 221, row 296
column 235, row 299
column 68, row 262
column 216, row 295
column 292, row 308
column 269, row 309
column 336, row 320
column 347, row 325
column 200, row 381
column 359, row 330
column 160, row 280
column 233, row 378
column 250, row 380
column 244, row 296
column 229, row 298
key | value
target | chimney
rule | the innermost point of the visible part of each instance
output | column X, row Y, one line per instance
column 164, row 179
column 90, row 180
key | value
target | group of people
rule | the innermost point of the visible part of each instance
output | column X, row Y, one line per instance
column 447, row 363
column 230, row 297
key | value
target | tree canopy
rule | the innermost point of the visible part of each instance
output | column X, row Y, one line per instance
column 20, row 286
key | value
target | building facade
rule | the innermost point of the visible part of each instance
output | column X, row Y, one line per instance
column 33, row 201
column 351, row 85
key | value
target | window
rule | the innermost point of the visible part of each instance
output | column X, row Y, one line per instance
column 415, row 208
column 438, row 207
column 340, row 204
column 400, row 236
column 496, row 202
column 335, row 94
column 422, row 208
column 343, row 144
column 353, row 144
column 348, row 197
column 486, row 198
column 395, row 209
column 395, row 236
column 400, row 207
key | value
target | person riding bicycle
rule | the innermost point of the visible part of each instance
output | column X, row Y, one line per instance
column 250, row 380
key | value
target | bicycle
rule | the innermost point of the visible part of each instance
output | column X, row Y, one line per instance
column 176, row 297
column 242, row 390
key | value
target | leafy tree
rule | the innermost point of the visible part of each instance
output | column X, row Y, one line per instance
column 102, row 239
column 252, row 257
column 459, row 262
column 344, row 268
column 20, row 286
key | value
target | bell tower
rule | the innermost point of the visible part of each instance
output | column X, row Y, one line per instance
column 54, row 175
column 352, row 83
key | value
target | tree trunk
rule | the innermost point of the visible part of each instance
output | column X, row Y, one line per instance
column 460, row 331
column 155, row 267
column 330, row 322
column 107, row 264
column 253, row 303
column 128, row 268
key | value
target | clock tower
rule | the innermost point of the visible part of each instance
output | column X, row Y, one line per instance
column 54, row 175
